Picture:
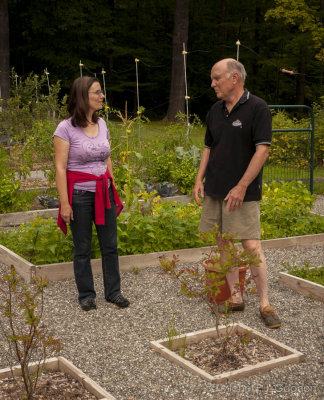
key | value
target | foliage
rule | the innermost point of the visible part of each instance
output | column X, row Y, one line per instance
column 311, row 273
column 42, row 34
column 27, row 124
column 8, row 184
column 26, row 336
column 152, row 225
column 285, row 211
column 293, row 148
column 40, row 242
column 24, row 200
column 299, row 14
column 159, row 226
column 174, row 335
column 199, row 282
column 127, row 188
column 184, row 175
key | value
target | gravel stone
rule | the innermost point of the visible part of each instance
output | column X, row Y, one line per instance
column 111, row 345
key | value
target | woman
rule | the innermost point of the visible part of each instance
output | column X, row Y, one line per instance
column 84, row 179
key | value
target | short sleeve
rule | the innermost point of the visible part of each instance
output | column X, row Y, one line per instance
column 262, row 125
column 62, row 131
column 104, row 128
column 208, row 136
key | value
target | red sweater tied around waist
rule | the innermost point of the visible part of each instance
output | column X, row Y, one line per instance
column 102, row 201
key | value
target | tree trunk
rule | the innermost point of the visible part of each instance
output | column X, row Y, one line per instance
column 180, row 36
column 4, row 51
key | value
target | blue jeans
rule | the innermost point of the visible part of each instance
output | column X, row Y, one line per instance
column 83, row 204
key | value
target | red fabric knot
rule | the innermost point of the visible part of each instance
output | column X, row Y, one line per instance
column 102, row 201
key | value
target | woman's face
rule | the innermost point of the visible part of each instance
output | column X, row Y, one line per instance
column 96, row 97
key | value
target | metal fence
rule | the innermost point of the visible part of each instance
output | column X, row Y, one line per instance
column 291, row 155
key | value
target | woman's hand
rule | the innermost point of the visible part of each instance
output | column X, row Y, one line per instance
column 66, row 213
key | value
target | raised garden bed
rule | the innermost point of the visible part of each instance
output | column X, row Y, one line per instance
column 287, row 355
column 63, row 365
column 10, row 220
column 301, row 285
column 60, row 271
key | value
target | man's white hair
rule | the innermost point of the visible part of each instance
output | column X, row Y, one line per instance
column 235, row 66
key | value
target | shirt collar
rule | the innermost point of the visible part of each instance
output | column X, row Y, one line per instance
column 243, row 99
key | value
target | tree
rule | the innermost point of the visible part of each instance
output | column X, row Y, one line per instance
column 4, row 50
column 304, row 37
column 180, row 36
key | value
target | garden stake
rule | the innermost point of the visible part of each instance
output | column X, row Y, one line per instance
column 138, row 106
column 80, row 65
column 184, row 52
column 238, row 50
column 104, row 84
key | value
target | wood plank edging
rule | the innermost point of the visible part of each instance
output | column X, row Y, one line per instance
column 60, row 271
column 62, row 364
column 290, row 355
column 303, row 286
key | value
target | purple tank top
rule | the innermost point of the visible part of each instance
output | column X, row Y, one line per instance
column 86, row 154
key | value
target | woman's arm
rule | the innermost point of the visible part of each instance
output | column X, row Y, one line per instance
column 61, row 150
column 109, row 166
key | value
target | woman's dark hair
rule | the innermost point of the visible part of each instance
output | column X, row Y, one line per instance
column 78, row 105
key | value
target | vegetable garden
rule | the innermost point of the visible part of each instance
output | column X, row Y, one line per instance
column 147, row 157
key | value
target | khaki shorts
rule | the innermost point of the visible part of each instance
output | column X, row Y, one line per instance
column 243, row 223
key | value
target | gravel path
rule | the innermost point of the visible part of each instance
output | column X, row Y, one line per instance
column 112, row 345
column 319, row 205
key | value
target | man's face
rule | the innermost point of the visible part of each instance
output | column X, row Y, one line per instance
column 220, row 82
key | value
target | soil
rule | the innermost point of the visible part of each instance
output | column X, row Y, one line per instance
column 219, row 355
column 51, row 385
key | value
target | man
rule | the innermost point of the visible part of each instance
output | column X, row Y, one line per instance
column 237, row 143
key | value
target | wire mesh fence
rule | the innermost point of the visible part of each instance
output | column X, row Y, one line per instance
column 291, row 154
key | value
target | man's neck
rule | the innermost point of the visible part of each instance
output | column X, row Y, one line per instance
column 231, row 101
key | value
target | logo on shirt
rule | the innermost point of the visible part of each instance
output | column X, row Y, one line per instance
column 237, row 123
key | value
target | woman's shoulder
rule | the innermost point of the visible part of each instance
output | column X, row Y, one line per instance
column 64, row 128
column 101, row 121
column 65, row 123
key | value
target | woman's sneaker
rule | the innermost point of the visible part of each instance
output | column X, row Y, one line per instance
column 120, row 301
column 88, row 304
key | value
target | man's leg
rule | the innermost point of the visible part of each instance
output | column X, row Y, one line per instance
column 259, row 273
column 232, row 278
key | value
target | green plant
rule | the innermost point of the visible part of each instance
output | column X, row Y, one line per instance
column 311, row 273
column 173, row 335
column 25, row 334
column 184, row 175
column 40, row 242
column 9, row 185
column 135, row 270
column 285, row 211
column 199, row 282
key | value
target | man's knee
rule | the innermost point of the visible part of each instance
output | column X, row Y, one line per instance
column 253, row 245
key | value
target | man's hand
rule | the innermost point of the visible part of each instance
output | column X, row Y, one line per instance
column 198, row 189
column 235, row 198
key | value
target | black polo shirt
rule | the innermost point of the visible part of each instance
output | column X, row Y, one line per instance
column 232, row 139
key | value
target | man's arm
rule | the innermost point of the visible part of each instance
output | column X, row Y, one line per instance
column 199, row 187
column 236, row 195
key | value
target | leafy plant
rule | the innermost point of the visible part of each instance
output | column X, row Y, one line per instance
column 9, row 185
column 285, row 211
column 311, row 273
column 154, row 225
column 26, row 336
column 173, row 335
column 199, row 282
